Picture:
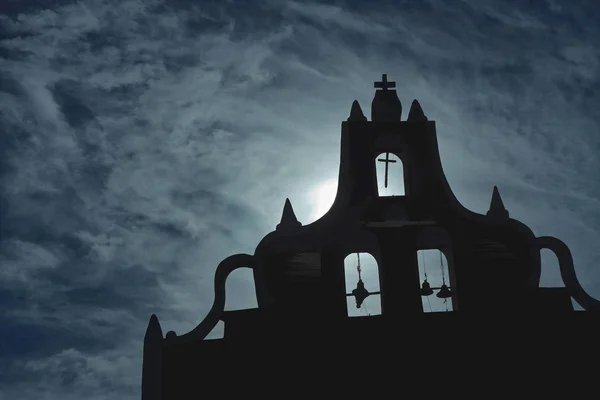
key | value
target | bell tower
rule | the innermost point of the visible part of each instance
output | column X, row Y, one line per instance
column 489, row 272
column 365, row 143
column 402, row 224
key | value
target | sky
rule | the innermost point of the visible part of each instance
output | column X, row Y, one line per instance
column 142, row 142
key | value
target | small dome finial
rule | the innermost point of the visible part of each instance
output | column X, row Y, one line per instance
column 497, row 208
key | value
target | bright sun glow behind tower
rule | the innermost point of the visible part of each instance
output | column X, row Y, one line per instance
column 323, row 197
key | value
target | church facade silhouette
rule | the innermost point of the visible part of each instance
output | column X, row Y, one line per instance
column 493, row 268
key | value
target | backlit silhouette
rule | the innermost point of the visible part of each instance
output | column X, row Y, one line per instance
column 301, row 332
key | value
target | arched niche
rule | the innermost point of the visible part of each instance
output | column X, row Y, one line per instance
column 550, row 271
column 241, row 290
column 433, row 267
column 362, row 269
column 435, row 258
column 394, row 143
column 390, row 175
column 348, row 241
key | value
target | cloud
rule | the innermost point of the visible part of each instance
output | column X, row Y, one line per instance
column 143, row 142
column 327, row 16
column 81, row 375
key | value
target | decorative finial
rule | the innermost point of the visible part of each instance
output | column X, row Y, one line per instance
column 416, row 113
column 497, row 206
column 154, row 331
column 171, row 335
column 384, row 84
column 288, row 218
column 152, row 361
column 386, row 106
column 356, row 113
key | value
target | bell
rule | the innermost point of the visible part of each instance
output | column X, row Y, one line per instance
column 426, row 289
column 444, row 292
column 360, row 293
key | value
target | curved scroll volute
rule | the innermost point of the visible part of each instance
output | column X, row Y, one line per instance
column 567, row 272
column 226, row 267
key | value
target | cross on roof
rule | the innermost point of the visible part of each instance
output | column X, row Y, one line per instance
column 384, row 84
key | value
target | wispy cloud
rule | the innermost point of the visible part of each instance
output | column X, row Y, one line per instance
column 143, row 142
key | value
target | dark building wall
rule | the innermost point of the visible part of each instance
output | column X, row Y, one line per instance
column 385, row 351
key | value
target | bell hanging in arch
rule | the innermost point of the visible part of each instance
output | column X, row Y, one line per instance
column 444, row 292
column 360, row 293
column 426, row 289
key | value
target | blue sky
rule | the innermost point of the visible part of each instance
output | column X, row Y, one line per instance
column 144, row 141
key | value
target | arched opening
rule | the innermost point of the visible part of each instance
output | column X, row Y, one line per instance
column 390, row 175
column 362, row 267
column 218, row 332
column 240, row 290
column 433, row 268
column 550, row 274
